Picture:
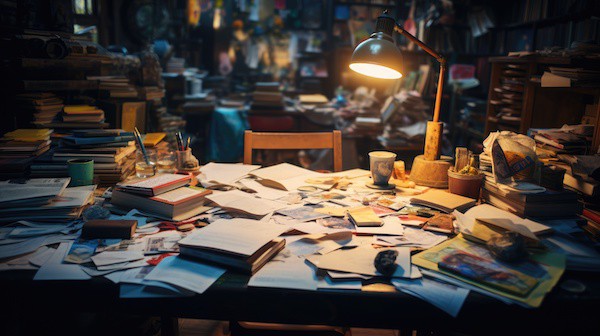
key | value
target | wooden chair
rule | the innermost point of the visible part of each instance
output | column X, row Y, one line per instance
column 321, row 140
column 271, row 140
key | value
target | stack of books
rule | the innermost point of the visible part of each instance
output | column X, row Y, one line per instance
column 566, row 140
column 591, row 223
column 112, row 151
column 45, row 107
column 42, row 200
column 19, row 148
column 115, row 86
column 506, row 100
column 267, row 96
column 80, row 117
column 164, row 196
column 83, row 113
column 547, row 204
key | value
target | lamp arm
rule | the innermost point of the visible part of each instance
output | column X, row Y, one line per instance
column 439, row 58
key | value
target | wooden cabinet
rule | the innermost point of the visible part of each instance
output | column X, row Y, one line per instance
column 518, row 102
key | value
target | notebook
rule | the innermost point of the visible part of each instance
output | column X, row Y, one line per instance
column 443, row 201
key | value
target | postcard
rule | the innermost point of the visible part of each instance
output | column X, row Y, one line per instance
column 81, row 251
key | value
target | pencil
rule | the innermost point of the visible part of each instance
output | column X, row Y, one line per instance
column 188, row 144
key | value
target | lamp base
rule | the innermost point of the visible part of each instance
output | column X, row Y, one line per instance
column 431, row 173
column 388, row 186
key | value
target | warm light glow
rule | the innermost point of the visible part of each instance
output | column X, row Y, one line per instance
column 374, row 70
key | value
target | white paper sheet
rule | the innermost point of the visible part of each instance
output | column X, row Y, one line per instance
column 291, row 272
column 226, row 173
column 262, row 191
column 245, row 202
column 185, row 273
column 360, row 260
column 54, row 269
column 448, row 298
column 24, row 260
column 40, row 259
column 116, row 257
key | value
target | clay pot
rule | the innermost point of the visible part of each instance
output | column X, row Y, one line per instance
column 465, row 185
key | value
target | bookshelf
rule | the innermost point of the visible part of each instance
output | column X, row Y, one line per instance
column 519, row 107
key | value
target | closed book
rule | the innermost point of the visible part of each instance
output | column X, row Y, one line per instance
column 364, row 216
column 444, row 201
column 177, row 205
column 587, row 186
column 97, row 140
column 155, row 185
column 152, row 139
column 247, row 264
column 100, row 133
column 108, row 229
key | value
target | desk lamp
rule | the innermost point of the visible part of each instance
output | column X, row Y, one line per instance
column 379, row 57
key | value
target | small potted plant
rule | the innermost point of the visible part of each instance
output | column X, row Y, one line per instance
column 467, row 181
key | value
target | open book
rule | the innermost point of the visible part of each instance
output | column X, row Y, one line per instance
column 242, row 244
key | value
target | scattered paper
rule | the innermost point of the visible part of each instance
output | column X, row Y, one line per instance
column 116, row 257
column 448, row 298
column 240, row 201
column 186, row 274
column 55, row 269
column 291, row 272
column 361, row 260
column 226, row 173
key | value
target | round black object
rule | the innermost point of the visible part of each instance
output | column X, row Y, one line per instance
column 385, row 262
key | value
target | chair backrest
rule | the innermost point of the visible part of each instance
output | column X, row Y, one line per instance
column 271, row 140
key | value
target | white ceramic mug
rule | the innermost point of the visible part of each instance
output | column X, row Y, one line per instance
column 382, row 166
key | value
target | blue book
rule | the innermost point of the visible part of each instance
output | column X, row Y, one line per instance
column 101, row 140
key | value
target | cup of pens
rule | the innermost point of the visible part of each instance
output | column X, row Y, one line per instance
column 145, row 160
column 145, row 164
column 185, row 160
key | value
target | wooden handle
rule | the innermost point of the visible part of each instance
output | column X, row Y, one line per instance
column 433, row 140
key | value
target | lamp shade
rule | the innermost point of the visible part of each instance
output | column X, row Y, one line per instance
column 377, row 57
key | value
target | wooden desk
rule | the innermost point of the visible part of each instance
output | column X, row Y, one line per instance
column 230, row 299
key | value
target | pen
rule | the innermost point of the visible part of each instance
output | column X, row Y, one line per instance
column 179, row 145
column 138, row 137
